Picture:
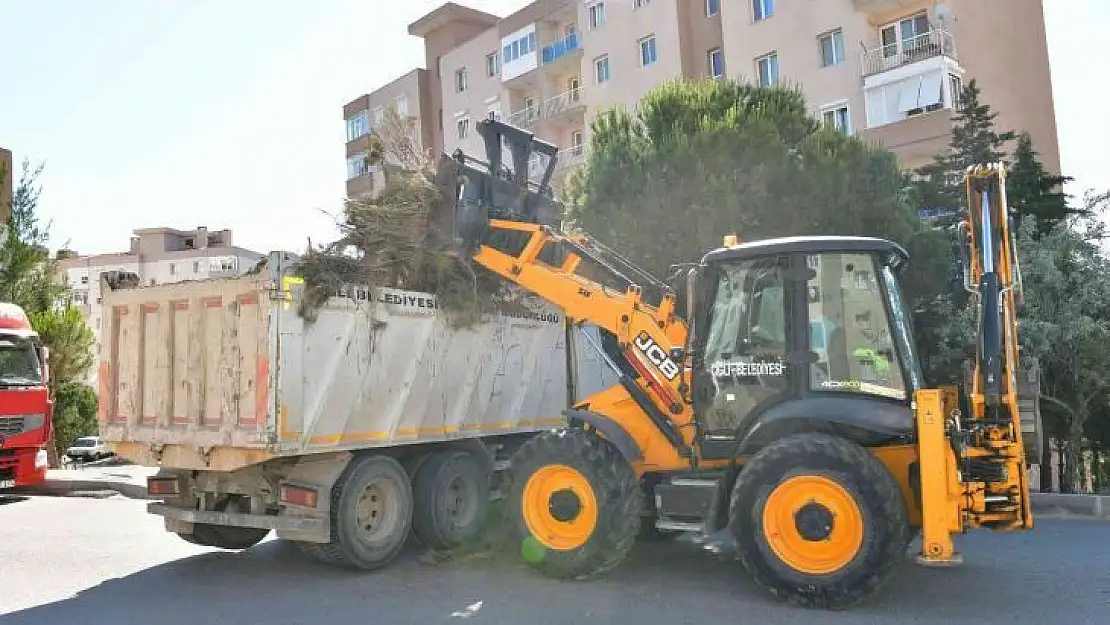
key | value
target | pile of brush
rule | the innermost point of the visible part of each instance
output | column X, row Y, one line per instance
column 383, row 240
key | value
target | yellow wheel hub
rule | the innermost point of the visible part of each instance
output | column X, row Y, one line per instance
column 559, row 507
column 813, row 524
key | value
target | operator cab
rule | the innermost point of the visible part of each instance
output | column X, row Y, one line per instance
column 801, row 329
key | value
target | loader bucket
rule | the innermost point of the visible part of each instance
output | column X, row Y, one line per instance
column 474, row 192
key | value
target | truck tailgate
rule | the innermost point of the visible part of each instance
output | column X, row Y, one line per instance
column 186, row 364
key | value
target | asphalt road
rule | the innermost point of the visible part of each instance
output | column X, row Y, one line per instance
column 79, row 561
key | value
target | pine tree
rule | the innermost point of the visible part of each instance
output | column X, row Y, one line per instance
column 1033, row 192
column 974, row 141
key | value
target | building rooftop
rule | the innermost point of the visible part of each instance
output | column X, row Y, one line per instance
column 447, row 13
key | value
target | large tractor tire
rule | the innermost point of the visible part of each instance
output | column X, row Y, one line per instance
column 818, row 521
column 226, row 536
column 371, row 514
column 451, row 492
column 576, row 504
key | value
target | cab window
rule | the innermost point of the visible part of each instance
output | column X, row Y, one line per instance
column 856, row 353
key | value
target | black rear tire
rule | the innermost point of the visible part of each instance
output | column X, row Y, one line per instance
column 865, row 500
column 451, row 499
column 607, row 502
column 371, row 513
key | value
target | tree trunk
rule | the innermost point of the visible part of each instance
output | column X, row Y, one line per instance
column 1046, row 466
column 1075, row 453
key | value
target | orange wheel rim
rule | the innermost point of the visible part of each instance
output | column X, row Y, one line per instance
column 559, row 507
column 813, row 524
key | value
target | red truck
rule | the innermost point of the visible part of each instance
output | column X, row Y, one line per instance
column 26, row 409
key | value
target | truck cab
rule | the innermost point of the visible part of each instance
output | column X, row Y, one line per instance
column 26, row 410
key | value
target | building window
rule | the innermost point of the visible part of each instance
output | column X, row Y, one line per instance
column 647, row 51
column 196, row 266
column 832, row 48
column 768, row 70
column 601, row 69
column 956, row 85
column 639, row 4
column 491, row 64
column 402, row 106
column 84, row 279
column 716, row 63
column 904, row 34
column 596, row 12
column 173, row 269
column 378, row 116
column 462, row 128
column 358, row 125
column 838, row 118
column 356, row 165
column 460, row 80
column 520, row 47
column 763, row 9
column 712, row 7
column 576, row 142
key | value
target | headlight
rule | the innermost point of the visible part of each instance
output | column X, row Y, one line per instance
column 41, row 459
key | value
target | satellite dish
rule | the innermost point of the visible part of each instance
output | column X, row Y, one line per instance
column 943, row 12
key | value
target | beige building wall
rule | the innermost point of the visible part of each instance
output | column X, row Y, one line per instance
column 570, row 67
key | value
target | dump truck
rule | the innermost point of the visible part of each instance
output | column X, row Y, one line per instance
column 255, row 413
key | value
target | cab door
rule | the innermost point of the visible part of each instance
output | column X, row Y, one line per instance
column 743, row 363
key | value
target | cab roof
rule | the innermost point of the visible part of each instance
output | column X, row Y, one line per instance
column 807, row 245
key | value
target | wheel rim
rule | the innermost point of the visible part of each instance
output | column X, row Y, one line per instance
column 813, row 524
column 376, row 511
column 559, row 507
column 457, row 501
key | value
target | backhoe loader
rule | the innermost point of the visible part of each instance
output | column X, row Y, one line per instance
column 784, row 409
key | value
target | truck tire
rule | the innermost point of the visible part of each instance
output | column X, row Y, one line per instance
column 451, row 499
column 371, row 513
column 818, row 521
column 576, row 504
column 226, row 536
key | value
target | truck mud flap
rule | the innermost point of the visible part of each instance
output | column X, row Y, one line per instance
column 300, row 525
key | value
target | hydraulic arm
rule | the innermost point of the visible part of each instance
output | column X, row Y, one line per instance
column 972, row 458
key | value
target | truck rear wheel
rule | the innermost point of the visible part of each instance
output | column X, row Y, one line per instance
column 818, row 521
column 227, row 536
column 371, row 513
column 451, row 493
column 576, row 503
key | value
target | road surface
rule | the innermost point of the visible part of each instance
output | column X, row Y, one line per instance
column 71, row 560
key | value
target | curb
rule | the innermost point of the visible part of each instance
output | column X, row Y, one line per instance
column 1097, row 506
column 67, row 487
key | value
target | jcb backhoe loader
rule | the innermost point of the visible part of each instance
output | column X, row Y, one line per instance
column 785, row 409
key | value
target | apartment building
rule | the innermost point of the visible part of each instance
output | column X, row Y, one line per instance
column 7, row 178
column 887, row 70
column 158, row 256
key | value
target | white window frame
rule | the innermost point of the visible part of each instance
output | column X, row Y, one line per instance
column 493, row 64
column 762, row 10
column 709, row 59
column 599, row 62
column 832, row 109
column 356, row 165
column 358, row 123
column 774, row 80
column 650, row 39
column 377, row 116
column 832, row 36
column 401, row 106
column 595, row 14
column 460, row 80
column 899, row 41
column 462, row 128
column 955, row 86
column 639, row 4
column 712, row 7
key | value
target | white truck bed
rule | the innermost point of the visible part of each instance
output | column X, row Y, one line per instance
column 221, row 374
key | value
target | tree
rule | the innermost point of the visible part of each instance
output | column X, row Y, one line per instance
column 75, row 405
column 700, row 159
column 974, row 142
column 28, row 275
column 70, row 340
column 1065, row 324
column 1035, row 193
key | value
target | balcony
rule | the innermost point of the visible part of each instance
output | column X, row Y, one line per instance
column 569, row 101
column 561, row 49
column 525, row 118
column 907, row 51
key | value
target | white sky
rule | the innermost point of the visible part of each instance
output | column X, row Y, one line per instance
column 225, row 114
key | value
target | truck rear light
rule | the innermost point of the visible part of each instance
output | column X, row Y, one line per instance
column 162, row 486
column 298, row 496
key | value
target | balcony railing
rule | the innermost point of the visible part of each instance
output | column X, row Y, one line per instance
column 565, row 101
column 551, row 53
column 525, row 118
column 903, row 52
column 568, row 157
